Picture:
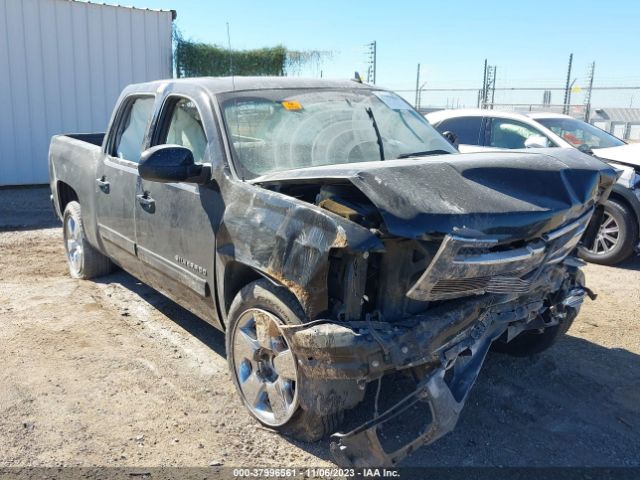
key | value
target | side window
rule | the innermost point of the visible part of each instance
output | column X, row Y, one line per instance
column 131, row 129
column 505, row 133
column 466, row 128
column 184, row 128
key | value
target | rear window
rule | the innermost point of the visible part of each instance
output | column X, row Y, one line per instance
column 467, row 129
column 132, row 128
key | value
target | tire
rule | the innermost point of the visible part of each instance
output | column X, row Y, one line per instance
column 622, row 227
column 262, row 303
column 531, row 342
column 83, row 259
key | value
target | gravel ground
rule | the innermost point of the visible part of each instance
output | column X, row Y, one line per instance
column 112, row 373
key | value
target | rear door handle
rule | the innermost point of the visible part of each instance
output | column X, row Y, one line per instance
column 145, row 200
column 103, row 184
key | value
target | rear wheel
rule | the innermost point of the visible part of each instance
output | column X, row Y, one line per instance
column 263, row 367
column 616, row 237
column 84, row 261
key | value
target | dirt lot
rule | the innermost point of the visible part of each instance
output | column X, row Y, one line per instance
column 113, row 373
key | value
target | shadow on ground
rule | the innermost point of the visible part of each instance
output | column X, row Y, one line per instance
column 26, row 208
column 206, row 333
column 577, row 404
column 631, row 263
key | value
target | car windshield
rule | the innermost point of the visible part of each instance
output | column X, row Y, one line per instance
column 273, row 130
column 580, row 134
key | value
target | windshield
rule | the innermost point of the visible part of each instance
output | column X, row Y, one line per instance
column 580, row 134
column 273, row 130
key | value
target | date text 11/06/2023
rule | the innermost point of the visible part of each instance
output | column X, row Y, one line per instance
column 315, row 472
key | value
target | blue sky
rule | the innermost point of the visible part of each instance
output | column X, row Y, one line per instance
column 528, row 41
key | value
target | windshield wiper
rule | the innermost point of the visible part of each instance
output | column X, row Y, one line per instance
column 375, row 127
column 423, row 154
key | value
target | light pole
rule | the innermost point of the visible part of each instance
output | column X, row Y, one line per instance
column 419, row 95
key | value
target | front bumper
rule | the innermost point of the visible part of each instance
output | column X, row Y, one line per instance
column 444, row 349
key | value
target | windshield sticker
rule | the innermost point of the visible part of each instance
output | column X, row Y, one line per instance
column 393, row 101
column 291, row 105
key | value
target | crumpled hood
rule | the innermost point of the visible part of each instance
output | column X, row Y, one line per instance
column 626, row 154
column 506, row 195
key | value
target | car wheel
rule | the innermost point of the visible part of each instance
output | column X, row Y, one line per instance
column 83, row 260
column 263, row 368
column 532, row 342
column 616, row 237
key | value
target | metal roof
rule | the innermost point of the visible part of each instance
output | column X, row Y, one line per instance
column 174, row 14
column 626, row 115
column 131, row 7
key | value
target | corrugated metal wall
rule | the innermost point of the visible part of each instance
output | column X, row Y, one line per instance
column 62, row 66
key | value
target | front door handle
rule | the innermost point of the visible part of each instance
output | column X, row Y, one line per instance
column 103, row 184
column 145, row 200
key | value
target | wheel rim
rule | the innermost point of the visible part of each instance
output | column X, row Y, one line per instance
column 265, row 367
column 608, row 236
column 73, row 243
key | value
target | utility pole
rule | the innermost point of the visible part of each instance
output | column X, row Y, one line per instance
column 420, row 88
column 416, row 104
column 493, row 85
column 568, row 105
column 587, row 97
column 371, row 72
column 484, row 85
column 567, row 88
column 488, row 85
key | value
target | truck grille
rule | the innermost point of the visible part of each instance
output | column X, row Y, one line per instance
column 466, row 266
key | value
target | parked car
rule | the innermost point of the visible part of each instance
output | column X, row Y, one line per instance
column 619, row 232
column 335, row 237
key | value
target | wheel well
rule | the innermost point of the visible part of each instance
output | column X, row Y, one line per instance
column 236, row 276
column 66, row 194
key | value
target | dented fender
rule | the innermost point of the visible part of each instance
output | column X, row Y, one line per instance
column 286, row 240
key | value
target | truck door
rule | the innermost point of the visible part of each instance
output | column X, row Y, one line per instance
column 176, row 223
column 117, row 179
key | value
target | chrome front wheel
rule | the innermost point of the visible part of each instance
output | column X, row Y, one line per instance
column 265, row 367
column 608, row 236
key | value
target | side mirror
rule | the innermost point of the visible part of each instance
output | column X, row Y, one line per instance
column 536, row 141
column 171, row 163
column 451, row 137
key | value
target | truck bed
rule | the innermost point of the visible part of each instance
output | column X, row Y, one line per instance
column 73, row 161
column 92, row 138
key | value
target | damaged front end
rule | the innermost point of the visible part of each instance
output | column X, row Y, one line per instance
column 444, row 259
column 444, row 347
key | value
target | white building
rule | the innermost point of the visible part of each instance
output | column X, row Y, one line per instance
column 63, row 64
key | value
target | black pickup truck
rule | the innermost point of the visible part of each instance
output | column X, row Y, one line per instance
column 337, row 239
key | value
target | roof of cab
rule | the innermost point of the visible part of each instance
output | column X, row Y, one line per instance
column 216, row 85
